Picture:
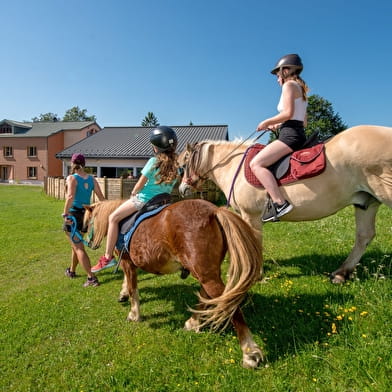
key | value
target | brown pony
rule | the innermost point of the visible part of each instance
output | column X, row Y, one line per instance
column 193, row 235
column 358, row 172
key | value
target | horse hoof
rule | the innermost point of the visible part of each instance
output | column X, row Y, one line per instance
column 192, row 325
column 123, row 298
column 252, row 360
column 337, row 278
column 133, row 318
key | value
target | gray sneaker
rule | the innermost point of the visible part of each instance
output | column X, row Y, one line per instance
column 275, row 211
column 283, row 209
column 69, row 273
column 91, row 282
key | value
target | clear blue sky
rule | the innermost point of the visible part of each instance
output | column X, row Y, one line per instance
column 205, row 61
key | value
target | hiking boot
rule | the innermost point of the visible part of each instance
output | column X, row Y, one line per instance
column 275, row 211
column 69, row 273
column 103, row 263
column 93, row 281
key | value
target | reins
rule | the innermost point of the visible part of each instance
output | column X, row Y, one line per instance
column 239, row 168
column 231, row 152
column 204, row 176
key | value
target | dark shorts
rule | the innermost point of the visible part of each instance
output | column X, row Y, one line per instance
column 292, row 133
column 79, row 215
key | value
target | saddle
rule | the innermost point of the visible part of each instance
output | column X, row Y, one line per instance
column 301, row 164
column 129, row 224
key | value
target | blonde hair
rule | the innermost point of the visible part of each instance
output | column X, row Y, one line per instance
column 167, row 166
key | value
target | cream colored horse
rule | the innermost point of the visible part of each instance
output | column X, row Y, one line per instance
column 358, row 172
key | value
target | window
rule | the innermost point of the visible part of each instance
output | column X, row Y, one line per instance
column 5, row 128
column 32, row 172
column 31, row 151
column 7, row 151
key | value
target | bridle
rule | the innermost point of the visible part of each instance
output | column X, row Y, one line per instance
column 195, row 157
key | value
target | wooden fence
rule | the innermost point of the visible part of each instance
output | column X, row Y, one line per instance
column 120, row 188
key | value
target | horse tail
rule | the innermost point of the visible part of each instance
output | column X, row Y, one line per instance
column 245, row 266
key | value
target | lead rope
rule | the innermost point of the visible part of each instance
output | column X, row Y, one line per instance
column 75, row 232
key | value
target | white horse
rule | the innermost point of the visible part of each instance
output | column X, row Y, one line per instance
column 358, row 172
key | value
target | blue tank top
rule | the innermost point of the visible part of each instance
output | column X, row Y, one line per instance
column 84, row 189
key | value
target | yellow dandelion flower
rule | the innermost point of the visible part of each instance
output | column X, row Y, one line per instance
column 363, row 314
column 334, row 328
column 364, row 336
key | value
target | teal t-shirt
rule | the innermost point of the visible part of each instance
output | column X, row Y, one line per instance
column 84, row 189
column 152, row 189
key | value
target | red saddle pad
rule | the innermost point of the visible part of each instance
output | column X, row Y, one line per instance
column 305, row 163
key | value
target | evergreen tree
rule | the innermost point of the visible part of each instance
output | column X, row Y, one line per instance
column 150, row 120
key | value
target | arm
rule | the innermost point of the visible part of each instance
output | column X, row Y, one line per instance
column 139, row 185
column 98, row 191
column 70, row 194
column 289, row 94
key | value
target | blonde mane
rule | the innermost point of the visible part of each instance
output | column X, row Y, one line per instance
column 199, row 158
column 98, row 216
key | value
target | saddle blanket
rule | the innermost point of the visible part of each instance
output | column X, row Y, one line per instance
column 124, row 239
column 301, row 164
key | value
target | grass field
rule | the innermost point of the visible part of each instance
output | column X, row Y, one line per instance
column 59, row 336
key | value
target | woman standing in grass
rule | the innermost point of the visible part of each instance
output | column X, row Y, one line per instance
column 79, row 188
column 159, row 175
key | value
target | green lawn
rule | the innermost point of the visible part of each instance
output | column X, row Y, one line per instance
column 59, row 336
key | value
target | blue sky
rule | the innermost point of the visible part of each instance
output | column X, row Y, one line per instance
column 205, row 61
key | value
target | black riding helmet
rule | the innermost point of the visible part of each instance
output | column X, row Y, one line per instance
column 292, row 61
column 164, row 139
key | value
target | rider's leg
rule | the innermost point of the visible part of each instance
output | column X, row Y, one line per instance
column 265, row 158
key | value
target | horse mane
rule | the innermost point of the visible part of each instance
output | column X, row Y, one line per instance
column 100, row 218
column 198, row 160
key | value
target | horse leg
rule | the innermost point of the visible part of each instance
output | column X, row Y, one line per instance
column 252, row 354
column 129, row 288
column 193, row 323
column 124, row 293
column 365, row 232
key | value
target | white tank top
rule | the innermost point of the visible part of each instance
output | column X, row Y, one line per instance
column 300, row 106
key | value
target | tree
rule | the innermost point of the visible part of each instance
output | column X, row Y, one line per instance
column 322, row 118
column 46, row 117
column 76, row 114
column 150, row 120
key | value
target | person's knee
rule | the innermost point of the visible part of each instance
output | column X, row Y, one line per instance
column 256, row 164
column 114, row 218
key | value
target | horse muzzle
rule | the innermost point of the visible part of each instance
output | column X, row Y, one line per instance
column 185, row 189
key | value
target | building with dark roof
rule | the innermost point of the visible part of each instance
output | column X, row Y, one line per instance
column 28, row 149
column 119, row 151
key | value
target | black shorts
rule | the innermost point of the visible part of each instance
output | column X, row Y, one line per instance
column 292, row 133
column 79, row 216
